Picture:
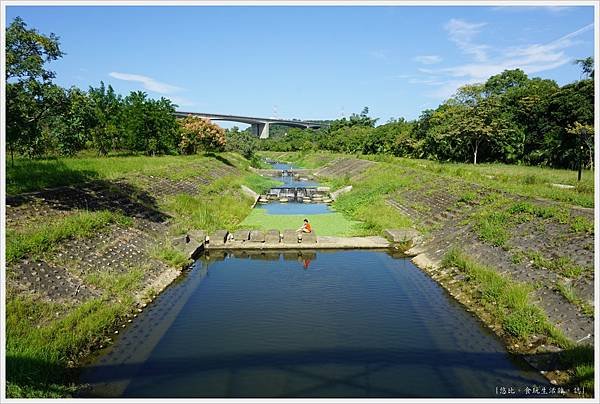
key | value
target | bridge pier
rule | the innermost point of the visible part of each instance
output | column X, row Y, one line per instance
column 261, row 129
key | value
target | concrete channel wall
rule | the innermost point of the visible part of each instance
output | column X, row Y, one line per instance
column 195, row 243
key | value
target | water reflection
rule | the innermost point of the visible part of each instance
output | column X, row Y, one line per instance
column 353, row 324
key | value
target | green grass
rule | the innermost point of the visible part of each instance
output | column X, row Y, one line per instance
column 498, row 215
column 508, row 301
column 42, row 337
column 115, row 283
column 305, row 159
column 40, row 238
column 581, row 224
column 221, row 205
column 32, row 175
column 328, row 224
column 580, row 361
column 521, row 180
column 260, row 184
column 491, row 226
column 41, row 340
column 170, row 255
column 569, row 294
column 561, row 265
column 366, row 201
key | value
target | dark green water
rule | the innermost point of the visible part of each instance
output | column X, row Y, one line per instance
column 324, row 324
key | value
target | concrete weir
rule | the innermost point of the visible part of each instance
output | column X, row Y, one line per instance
column 197, row 241
column 287, row 239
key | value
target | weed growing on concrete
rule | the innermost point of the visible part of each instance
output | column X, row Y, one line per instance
column 42, row 238
column 581, row 224
column 569, row 293
column 170, row 256
column 561, row 265
column 507, row 300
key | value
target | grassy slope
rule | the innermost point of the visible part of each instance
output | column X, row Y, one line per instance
column 510, row 305
column 329, row 224
column 32, row 175
column 44, row 337
column 521, row 180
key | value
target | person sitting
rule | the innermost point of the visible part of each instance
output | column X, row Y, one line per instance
column 306, row 227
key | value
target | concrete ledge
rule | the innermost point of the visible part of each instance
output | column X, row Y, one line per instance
column 401, row 235
column 289, row 236
column 322, row 242
column 218, row 237
column 335, row 194
column 241, row 235
column 309, row 238
column 272, row 236
column 257, row 236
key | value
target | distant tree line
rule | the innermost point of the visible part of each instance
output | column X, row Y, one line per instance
column 45, row 119
column 510, row 118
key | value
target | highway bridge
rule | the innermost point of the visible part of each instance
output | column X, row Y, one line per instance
column 260, row 126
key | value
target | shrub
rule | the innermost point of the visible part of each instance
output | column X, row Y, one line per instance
column 200, row 134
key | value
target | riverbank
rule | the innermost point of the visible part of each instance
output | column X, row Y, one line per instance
column 511, row 220
column 86, row 255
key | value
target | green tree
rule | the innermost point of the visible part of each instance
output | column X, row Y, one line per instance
column 149, row 125
column 587, row 66
column 73, row 122
column 107, row 110
column 30, row 93
column 584, row 135
column 241, row 142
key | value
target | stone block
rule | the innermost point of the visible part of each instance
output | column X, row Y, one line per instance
column 249, row 192
column 272, row 236
column 257, row 236
column 290, row 236
column 219, row 237
column 309, row 238
column 323, row 189
column 335, row 194
column 198, row 235
column 190, row 247
column 401, row 235
column 241, row 235
column 180, row 241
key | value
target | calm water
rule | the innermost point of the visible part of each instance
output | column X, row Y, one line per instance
column 289, row 181
column 320, row 324
column 295, row 208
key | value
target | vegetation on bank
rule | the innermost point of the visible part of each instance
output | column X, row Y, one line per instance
column 40, row 238
column 326, row 224
column 509, row 304
column 28, row 175
column 47, row 340
column 509, row 118
column 522, row 180
column 221, row 205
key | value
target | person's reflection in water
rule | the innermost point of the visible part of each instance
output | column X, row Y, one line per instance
column 306, row 263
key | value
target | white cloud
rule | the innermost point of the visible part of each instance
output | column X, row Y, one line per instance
column 531, row 58
column 428, row 59
column 181, row 101
column 462, row 33
column 148, row 82
column 518, row 8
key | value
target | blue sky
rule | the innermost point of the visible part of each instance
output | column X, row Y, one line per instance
column 310, row 62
